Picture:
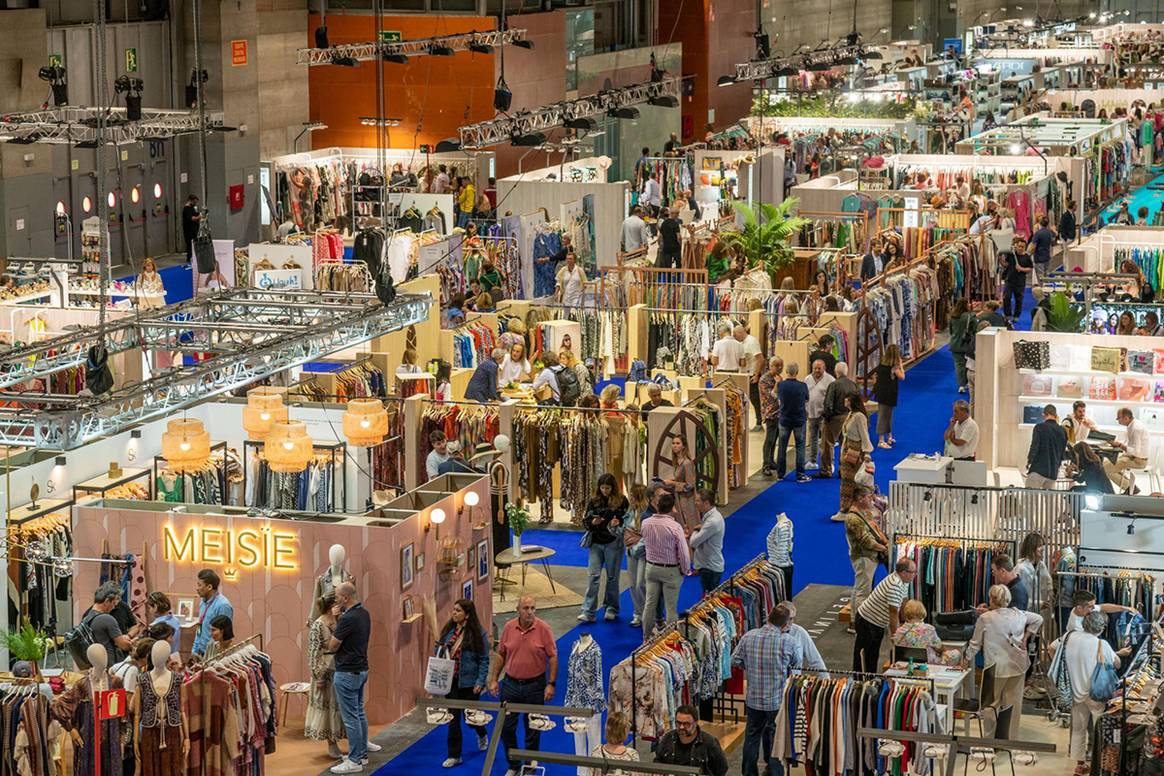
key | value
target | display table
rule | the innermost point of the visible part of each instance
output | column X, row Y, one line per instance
column 948, row 681
column 508, row 557
column 925, row 469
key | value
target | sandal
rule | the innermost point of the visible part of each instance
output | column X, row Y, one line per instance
column 884, row 445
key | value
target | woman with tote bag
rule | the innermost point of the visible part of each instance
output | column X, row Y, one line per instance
column 465, row 642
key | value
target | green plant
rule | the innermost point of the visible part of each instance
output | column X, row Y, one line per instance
column 819, row 106
column 1063, row 314
column 518, row 518
column 766, row 239
column 28, row 643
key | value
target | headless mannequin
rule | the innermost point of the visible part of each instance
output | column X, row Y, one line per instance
column 161, row 679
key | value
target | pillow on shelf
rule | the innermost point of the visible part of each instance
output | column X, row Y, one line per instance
column 1108, row 359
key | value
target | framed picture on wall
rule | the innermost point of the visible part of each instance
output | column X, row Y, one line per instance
column 471, row 554
column 467, row 589
column 420, row 562
column 407, row 571
column 187, row 609
column 482, row 559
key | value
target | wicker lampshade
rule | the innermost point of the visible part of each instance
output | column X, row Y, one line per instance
column 365, row 422
column 264, row 409
column 186, row 445
column 288, row 448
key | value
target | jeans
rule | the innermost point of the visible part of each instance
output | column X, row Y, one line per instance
column 662, row 582
column 787, row 572
column 349, row 692
column 867, row 646
column 815, row 429
column 782, row 451
column 606, row 557
column 754, row 398
column 463, row 219
column 771, row 434
column 530, row 691
column 1012, row 300
column 455, row 732
column 636, row 568
column 709, row 580
column 758, row 733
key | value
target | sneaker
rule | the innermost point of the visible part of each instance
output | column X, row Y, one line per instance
column 850, row 629
column 452, row 762
column 373, row 747
column 757, row 428
column 636, row 622
column 812, row 466
column 482, row 743
column 586, row 618
column 347, row 766
column 766, row 472
column 961, row 389
column 803, row 478
column 611, row 616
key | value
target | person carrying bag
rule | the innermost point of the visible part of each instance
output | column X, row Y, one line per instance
column 459, row 670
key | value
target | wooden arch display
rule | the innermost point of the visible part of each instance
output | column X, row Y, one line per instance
column 703, row 450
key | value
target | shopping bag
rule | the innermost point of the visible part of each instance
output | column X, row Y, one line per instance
column 1142, row 361
column 438, row 678
column 1032, row 354
column 1108, row 359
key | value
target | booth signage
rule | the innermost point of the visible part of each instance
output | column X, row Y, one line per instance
column 238, row 53
column 248, row 548
column 278, row 279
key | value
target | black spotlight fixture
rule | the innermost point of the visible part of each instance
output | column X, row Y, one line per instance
column 55, row 75
column 342, row 60
column 132, row 89
column 86, row 144
column 525, row 44
column 582, row 123
column 448, row 146
column 530, row 139
column 399, row 59
column 872, row 54
column 787, row 70
column 726, row 80
column 480, row 48
column 819, row 66
column 763, row 45
column 627, row 112
column 192, row 87
column 440, row 50
column 321, row 37
column 502, row 96
column 664, row 101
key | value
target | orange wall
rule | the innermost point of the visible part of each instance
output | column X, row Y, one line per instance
column 459, row 88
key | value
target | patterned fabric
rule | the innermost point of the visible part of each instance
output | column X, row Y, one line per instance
column 584, row 678
column 766, row 654
column 780, row 542
column 323, row 716
column 168, row 708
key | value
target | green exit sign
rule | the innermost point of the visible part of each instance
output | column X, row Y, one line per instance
column 390, row 36
column 425, row 149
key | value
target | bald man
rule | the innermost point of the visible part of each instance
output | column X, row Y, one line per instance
column 349, row 643
column 524, row 650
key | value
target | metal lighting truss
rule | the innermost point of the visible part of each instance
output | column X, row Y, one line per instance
column 365, row 52
column 251, row 334
column 504, row 129
column 75, row 124
column 768, row 68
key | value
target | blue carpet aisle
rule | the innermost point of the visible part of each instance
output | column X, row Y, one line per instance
column 820, row 552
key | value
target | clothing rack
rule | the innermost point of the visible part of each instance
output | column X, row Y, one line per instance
column 234, row 648
column 863, row 675
column 335, row 454
column 216, row 447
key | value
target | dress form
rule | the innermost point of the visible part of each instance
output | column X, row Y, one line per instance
column 332, row 577
column 76, row 709
column 161, row 742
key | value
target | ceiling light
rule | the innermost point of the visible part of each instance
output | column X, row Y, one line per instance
column 819, row 66
column 787, row 70
column 873, row 54
column 627, row 112
column 531, row 139
column 502, row 96
column 448, row 146
column 342, row 61
column 726, row 80
column 584, row 123
column 371, row 121
column 321, row 37
column 480, row 48
column 440, row 50
column 525, row 44
column 664, row 101
column 399, row 59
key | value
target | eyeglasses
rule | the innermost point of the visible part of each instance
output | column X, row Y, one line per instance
column 685, row 725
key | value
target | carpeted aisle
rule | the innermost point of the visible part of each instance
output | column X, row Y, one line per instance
column 820, row 552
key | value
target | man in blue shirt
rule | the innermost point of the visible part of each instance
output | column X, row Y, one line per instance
column 1041, row 243
column 793, row 396
column 213, row 604
column 766, row 654
column 483, row 384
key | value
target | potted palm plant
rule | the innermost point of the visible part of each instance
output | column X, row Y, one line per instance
column 518, row 518
column 766, row 239
column 27, row 644
column 1064, row 315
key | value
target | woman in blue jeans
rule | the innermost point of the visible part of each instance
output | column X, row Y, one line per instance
column 464, row 641
column 603, row 524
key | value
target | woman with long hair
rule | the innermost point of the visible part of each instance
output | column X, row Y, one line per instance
column 855, row 448
column 464, row 641
column 889, row 374
column 604, row 526
column 444, row 386
column 963, row 328
column 820, row 283
column 682, row 481
column 1126, row 324
column 636, row 550
column 615, row 747
column 324, row 722
column 1032, row 569
column 1089, row 470
column 515, row 367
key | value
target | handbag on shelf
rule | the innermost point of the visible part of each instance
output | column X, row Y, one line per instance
column 1032, row 354
column 1112, row 360
column 1033, row 413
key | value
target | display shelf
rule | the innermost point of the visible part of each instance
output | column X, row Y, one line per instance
column 1088, row 373
column 47, row 294
column 103, row 483
column 1070, row 400
column 40, row 508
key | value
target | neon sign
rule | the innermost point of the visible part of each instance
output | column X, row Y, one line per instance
column 248, row 548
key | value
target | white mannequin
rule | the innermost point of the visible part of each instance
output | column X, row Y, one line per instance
column 162, row 679
column 99, row 673
column 332, row 577
column 160, row 656
column 583, row 641
column 337, row 554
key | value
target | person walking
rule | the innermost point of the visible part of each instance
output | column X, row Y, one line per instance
column 793, row 397
column 818, row 382
column 856, row 446
column 770, row 411
column 213, row 605
column 767, row 655
column 1001, row 635
column 191, row 221
column 878, row 613
column 834, row 410
column 570, row 282
column 688, row 744
column 888, row 375
column 682, row 483
column 707, row 542
column 962, row 434
column 1033, row 571
column 667, row 563
column 867, row 545
column 752, row 362
column 524, row 651
column 1078, row 653
column 349, row 642
column 464, row 641
column 634, row 232
column 603, row 524
column 670, row 240
column 1016, row 266
column 324, row 722
column 636, row 561
column 1043, row 241
column 1048, row 446
column 963, row 329
column 1133, row 452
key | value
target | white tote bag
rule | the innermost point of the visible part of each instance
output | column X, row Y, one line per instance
column 438, row 679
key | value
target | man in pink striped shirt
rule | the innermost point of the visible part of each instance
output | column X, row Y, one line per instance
column 668, row 561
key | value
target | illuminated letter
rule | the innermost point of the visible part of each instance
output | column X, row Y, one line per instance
column 248, row 552
column 171, row 550
column 284, row 555
column 212, row 545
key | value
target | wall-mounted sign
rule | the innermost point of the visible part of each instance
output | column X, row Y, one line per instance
column 131, row 60
column 238, row 53
column 247, row 548
column 390, row 36
column 278, row 279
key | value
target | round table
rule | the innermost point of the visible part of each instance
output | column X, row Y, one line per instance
column 508, row 557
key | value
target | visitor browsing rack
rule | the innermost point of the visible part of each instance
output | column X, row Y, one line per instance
column 957, row 573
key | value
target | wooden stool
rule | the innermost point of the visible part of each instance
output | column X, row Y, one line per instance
column 286, row 691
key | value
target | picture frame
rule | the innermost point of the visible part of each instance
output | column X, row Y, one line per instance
column 409, row 607
column 471, row 555
column 420, row 561
column 482, row 560
column 407, row 570
column 187, row 609
column 467, row 589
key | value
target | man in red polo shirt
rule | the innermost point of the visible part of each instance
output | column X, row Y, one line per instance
column 525, row 647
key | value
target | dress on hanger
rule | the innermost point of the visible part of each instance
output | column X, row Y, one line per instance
column 74, row 710
column 160, row 747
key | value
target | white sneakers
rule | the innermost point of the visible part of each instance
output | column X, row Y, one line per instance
column 347, row 766
column 372, row 747
column 452, row 762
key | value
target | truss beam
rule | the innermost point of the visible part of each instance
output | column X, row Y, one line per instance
column 70, row 124
column 367, row 52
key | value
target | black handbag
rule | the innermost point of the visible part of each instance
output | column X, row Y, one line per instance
column 1032, row 354
column 98, row 376
column 385, row 288
column 204, row 257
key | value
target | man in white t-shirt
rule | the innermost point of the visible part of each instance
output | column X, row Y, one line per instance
column 752, row 362
column 962, row 434
column 1084, row 604
column 571, row 282
column 726, row 352
column 1134, row 455
column 818, row 382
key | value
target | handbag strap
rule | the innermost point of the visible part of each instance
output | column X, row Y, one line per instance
column 1098, row 652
